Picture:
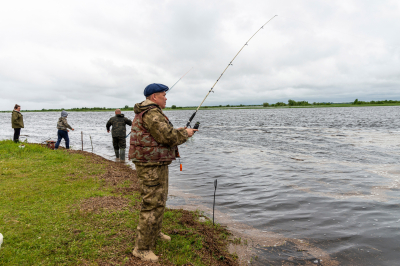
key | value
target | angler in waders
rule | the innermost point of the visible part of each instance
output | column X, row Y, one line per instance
column 153, row 146
column 118, row 123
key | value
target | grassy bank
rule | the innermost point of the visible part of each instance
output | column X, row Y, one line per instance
column 76, row 208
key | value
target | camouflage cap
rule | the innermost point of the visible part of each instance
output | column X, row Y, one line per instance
column 154, row 88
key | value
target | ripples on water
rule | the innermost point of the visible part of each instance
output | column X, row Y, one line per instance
column 329, row 175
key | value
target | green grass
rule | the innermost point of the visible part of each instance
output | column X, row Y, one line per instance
column 199, row 243
column 38, row 188
column 183, row 248
column 42, row 221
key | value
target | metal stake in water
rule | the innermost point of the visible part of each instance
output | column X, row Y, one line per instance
column 215, row 190
column 91, row 142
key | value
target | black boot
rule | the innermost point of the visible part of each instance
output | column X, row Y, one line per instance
column 122, row 154
column 116, row 153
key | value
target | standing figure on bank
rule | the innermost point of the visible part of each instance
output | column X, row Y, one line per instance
column 62, row 126
column 153, row 146
column 118, row 123
column 17, row 122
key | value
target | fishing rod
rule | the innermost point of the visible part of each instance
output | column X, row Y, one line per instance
column 230, row 64
column 169, row 90
column 178, row 80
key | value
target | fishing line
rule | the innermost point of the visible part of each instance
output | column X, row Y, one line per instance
column 211, row 90
column 230, row 64
column 178, row 80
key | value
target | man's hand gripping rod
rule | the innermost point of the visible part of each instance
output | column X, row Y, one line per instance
column 230, row 64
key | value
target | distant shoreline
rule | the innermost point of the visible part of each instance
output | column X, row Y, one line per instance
column 215, row 108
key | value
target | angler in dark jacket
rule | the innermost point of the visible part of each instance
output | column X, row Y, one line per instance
column 118, row 132
column 17, row 122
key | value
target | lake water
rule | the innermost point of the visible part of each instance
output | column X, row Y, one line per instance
column 327, row 175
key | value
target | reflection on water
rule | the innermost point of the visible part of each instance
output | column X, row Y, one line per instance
column 328, row 175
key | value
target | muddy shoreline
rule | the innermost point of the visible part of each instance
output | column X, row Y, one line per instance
column 250, row 245
column 117, row 173
column 253, row 246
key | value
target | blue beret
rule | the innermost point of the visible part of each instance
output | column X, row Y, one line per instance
column 153, row 88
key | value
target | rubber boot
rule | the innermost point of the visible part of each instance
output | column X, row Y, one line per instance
column 145, row 255
column 116, row 153
column 122, row 154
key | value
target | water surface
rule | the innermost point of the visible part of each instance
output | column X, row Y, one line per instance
column 328, row 175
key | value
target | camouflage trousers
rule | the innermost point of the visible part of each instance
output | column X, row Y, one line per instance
column 119, row 143
column 154, row 190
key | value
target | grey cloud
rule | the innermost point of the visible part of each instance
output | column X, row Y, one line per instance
column 103, row 54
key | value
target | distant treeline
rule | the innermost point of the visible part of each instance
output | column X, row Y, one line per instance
column 213, row 106
column 294, row 103
column 278, row 104
column 306, row 103
column 83, row 109
column 356, row 101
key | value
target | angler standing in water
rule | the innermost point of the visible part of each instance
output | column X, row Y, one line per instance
column 118, row 123
column 153, row 146
column 17, row 122
column 62, row 126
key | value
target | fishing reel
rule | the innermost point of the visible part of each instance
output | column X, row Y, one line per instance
column 196, row 126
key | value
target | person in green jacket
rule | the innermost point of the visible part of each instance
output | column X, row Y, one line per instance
column 17, row 122
column 118, row 124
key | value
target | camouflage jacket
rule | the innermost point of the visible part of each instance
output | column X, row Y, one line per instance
column 17, row 120
column 118, row 123
column 153, row 138
column 62, row 124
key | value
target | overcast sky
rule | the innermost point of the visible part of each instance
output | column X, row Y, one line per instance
column 63, row 54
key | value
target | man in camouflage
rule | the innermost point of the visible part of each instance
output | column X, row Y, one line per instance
column 153, row 146
column 118, row 123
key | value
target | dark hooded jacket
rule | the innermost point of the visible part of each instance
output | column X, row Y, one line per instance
column 62, row 124
column 118, row 123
